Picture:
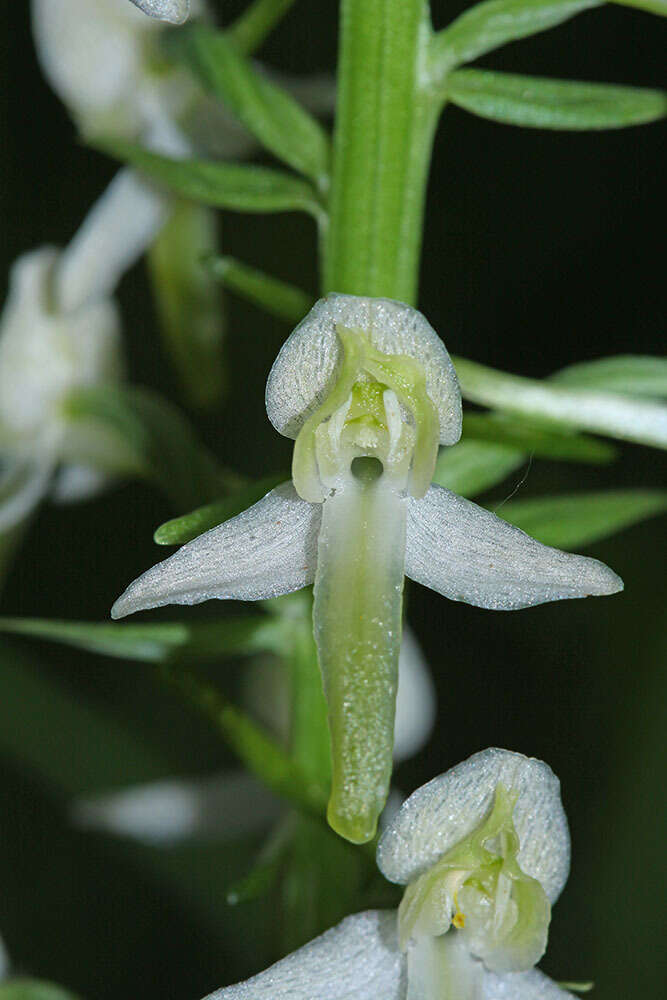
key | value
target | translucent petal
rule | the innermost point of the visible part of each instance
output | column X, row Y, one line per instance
column 531, row 985
column 306, row 368
column 356, row 960
column 116, row 232
column 166, row 812
column 447, row 809
column 268, row 550
column 174, row 11
column 468, row 554
column 415, row 701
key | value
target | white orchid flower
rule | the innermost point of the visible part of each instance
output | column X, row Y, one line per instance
column 484, row 850
column 60, row 331
column 99, row 56
column 174, row 11
column 231, row 804
column 368, row 391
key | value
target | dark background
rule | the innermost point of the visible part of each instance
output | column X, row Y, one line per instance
column 540, row 249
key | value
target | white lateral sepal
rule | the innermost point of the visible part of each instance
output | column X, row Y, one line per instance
column 356, row 960
column 268, row 550
column 468, row 554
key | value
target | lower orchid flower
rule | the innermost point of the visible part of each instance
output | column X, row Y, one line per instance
column 484, row 851
column 368, row 391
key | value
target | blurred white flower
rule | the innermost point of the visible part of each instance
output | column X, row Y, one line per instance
column 499, row 819
column 60, row 331
column 101, row 58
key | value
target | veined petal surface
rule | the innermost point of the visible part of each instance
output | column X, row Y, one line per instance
column 447, row 809
column 358, row 959
column 468, row 554
column 531, row 985
column 174, row 11
column 268, row 550
column 306, row 369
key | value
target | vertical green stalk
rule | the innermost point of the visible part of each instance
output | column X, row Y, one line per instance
column 309, row 731
column 385, row 122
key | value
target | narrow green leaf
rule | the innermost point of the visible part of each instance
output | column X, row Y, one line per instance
column 639, row 420
column 486, row 26
column 577, row 987
column 33, row 989
column 578, row 519
column 537, row 102
column 536, row 440
column 471, row 467
column 278, row 297
column 239, row 187
column 183, row 529
column 189, row 304
column 71, row 743
column 279, row 123
column 256, row 22
column 652, row 6
column 157, row 643
column 154, row 440
column 254, row 747
column 264, row 874
column 629, row 374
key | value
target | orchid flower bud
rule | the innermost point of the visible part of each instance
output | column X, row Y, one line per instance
column 367, row 390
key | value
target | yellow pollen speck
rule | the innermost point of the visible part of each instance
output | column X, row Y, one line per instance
column 459, row 920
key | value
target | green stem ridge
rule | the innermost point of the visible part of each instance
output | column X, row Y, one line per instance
column 385, row 123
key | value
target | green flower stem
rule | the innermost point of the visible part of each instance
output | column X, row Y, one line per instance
column 357, row 623
column 385, row 123
column 252, row 27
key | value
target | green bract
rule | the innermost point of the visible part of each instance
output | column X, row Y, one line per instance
column 368, row 391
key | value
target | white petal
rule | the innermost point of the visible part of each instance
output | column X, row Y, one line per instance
column 22, row 487
column 468, row 554
column 442, row 968
column 356, row 960
column 446, row 810
column 93, row 56
column 531, row 985
column 165, row 812
column 415, row 701
column 174, row 11
column 116, row 232
column 45, row 353
column 268, row 550
column 306, row 368
column 78, row 482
